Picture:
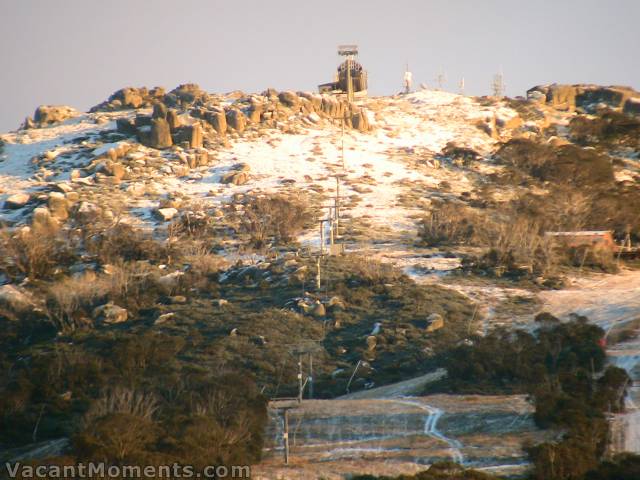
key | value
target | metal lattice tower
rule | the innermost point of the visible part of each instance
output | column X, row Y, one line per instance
column 498, row 85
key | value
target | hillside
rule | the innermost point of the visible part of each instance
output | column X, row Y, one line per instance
column 163, row 245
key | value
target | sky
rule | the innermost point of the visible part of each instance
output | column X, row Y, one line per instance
column 78, row 52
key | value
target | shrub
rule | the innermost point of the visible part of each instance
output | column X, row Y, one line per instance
column 71, row 296
column 592, row 257
column 585, row 167
column 195, row 222
column 123, row 400
column 608, row 127
column 273, row 218
column 29, row 253
column 123, row 242
column 450, row 223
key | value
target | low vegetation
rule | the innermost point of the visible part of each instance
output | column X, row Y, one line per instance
column 272, row 220
column 562, row 366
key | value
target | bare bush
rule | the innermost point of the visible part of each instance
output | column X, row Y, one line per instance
column 28, row 253
column 372, row 271
column 202, row 262
column 275, row 218
column 121, row 242
column 448, row 224
column 517, row 242
column 195, row 222
column 72, row 295
column 123, row 400
column 71, row 300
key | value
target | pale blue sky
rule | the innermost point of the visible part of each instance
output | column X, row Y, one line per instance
column 77, row 52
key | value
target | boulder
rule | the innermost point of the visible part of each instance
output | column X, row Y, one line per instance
column 436, row 322
column 591, row 97
column 255, row 113
column 632, row 107
column 130, row 98
column 318, row 310
column 159, row 110
column 170, row 280
column 160, row 135
column 165, row 214
column 163, row 318
column 58, row 206
column 372, row 341
column 236, row 120
column 218, row 120
column 185, row 95
column 360, row 120
column 17, row 200
column 195, row 135
column 336, row 304
column 87, row 211
column 235, row 178
column 116, row 170
column 290, row 99
column 110, row 314
column 49, row 114
column 174, row 119
column 561, row 97
column 588, row 98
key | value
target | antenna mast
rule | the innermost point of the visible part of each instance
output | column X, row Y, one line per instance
column 498, row 85
column 408, row 79
column 440, row 79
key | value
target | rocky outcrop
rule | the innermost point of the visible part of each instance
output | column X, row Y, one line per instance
column 174, row 119
column 159, row 110
column 218, row 120
column 17, row 200
column 436, row 322
column 48, row 115
column 186, row 95
column 195, row 135
column 165, row 214
column 290, row 99
column 58, row 206
column 236, row 120
column 235, row 178
column 130, row 98
column 360, row 120
column 588, row 98
column 43, row 222
column 110, row 314
column 158, row 135
column 632, row 106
